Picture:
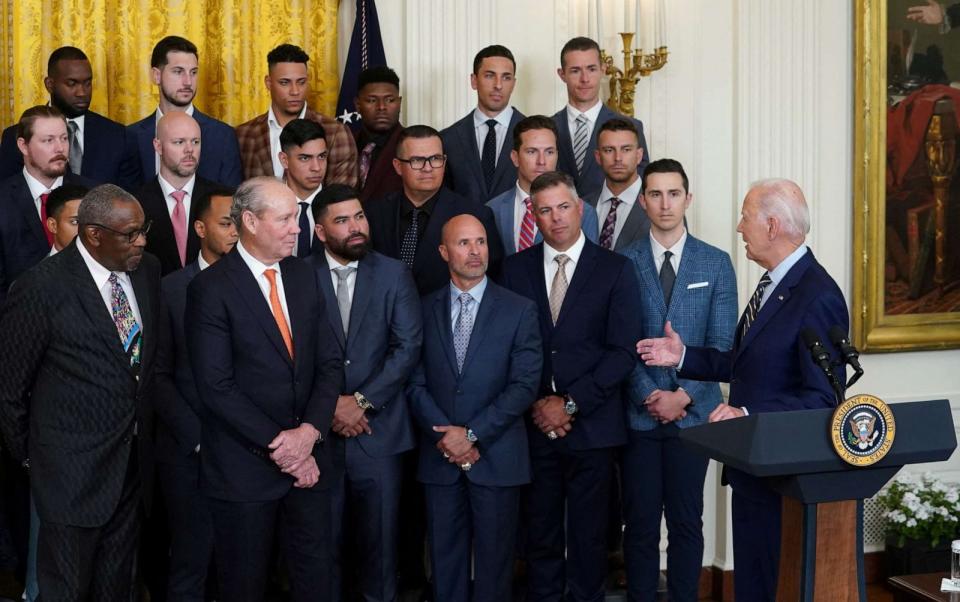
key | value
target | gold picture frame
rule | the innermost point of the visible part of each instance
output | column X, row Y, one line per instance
column 876, row 330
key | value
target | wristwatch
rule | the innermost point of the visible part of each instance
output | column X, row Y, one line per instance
column 362, row 402
column 569, row 405
column 471, row 436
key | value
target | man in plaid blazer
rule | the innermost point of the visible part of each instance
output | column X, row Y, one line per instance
column 259, row 138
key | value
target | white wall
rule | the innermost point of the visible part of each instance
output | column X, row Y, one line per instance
column 752, row 89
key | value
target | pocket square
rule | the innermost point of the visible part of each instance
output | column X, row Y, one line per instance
column 697, row 285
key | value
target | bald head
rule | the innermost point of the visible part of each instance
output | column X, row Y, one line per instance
column 459, row 225
column 178, row 144
column 464, row 247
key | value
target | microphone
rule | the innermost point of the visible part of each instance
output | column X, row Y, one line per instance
column 849, row 353
column 821, row 358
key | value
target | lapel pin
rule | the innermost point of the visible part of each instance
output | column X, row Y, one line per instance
column 780, row 297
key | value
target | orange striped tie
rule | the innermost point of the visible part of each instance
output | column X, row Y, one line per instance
column 277, row 310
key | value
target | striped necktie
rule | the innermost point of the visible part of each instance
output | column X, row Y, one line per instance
column 527, row 227
column 753, row 307
column 581, row 137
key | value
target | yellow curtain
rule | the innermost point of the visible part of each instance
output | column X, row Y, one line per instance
column 232, row 37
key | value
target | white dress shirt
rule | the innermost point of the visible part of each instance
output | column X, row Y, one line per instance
column 480, row 128
column 309, row 210
column 550, row 266
column 628, row 198
column 168, row 190
column 275, row 130
column 258, row 268
column 351, row 278
column 156, row 156
column 519, row 211
column 37, row 189
column 658, row 251
column 101, row 278
column 202, row 262
column 591, row 114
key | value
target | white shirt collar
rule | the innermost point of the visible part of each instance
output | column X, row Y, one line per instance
column 256, row 266
column 476, row 292
column 188, row 111
column 202, row 262
column 272, row 117
column 480, row 118
column 628, row 197
column 677, row 248
column 334, row 264
column 168, row 188
column 101, row 275
column 592, row 113
column 777, row 273
column 311, row 196
column 36, row 188
column 573, row 252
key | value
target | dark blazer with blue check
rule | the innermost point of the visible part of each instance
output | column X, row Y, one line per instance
column 502, row 207
column 464, row 173
column 703, row 310
column 499, row 381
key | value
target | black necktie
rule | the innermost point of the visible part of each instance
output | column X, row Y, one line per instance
column 303, row 239
column 488, row 159
column 753, row 307
column 408, row 246
column 667, row 277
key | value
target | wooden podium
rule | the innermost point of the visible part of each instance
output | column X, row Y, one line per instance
column 821, row 546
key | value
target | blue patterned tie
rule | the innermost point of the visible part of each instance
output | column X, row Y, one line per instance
column 125, row 321
column 463, row 328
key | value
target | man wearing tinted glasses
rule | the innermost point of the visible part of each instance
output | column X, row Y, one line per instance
column 406, row 224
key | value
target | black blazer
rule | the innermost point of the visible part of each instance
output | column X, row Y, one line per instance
column 107, row 157
column 250, row 389
column 69, row 399
column 429, row 270
column 464, row 173
column 592, row 349
column 161, row 241
column 23, row 240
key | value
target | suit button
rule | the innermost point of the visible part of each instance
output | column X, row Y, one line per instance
column 459, row 391
column 127, row 439
column 554, row 352
column 346, row 362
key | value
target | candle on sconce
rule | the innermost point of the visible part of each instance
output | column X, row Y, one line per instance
column 636, row 26
column 663, row 23
column 599, row 39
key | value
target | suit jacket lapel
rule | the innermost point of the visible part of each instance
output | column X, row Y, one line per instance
column 778, row 298
column 249, row 291
column 468, row 139
column 330, row 298
column 299, row 316
column 263, row 155
column 688, row 259
column 485, row 314
column 141, row 290
column 565, row 139
column 441, row 213
column 441, row 313
column 504, row 164
column 362, row 291
column 633, row 227
column 92, row 303
column 28, row 209
column 145, row 134
column 581, row 272
column 503, row 209
column 539, row 282
column 650, row 277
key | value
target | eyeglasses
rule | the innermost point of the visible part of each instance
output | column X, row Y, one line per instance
column 132, row 236
column 436, row 161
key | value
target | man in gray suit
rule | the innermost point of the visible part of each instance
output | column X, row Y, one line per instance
column 617, row 201
column 374, row 310
column 579, row 122
column 534, row 153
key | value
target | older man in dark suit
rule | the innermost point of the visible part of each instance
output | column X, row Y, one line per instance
column 378, row 102
column 77, row 347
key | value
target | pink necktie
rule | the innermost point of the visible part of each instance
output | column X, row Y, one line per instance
column 179, row 220
column 526, row 227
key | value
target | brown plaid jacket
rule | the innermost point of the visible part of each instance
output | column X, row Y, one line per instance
column 254, row 139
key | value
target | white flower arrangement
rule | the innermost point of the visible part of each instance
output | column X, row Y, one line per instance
column 921, row 507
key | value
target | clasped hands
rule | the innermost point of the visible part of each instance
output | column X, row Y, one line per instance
column 550, row 416
column 293, row 454
column 349, row 419
column 455, row 446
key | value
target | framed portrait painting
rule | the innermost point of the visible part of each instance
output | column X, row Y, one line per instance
column 906, row 276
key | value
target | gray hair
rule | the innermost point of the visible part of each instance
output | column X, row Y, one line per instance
column 551, row 179
column 248, row 197
column 97, row 205
column 783, row 199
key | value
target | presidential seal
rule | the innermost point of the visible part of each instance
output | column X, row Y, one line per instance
column 862, row 430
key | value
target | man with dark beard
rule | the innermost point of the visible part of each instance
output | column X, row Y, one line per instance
column 97, row 144
column 374, row 310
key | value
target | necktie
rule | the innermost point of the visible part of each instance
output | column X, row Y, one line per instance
column 580, row 139
column 76, row 153
column 343, row 295
column 667, row 277
column 408, row 246
column 558, row 289
column 277, row 310
column 303, row 239
column 753, row 307
column 463, row 328
column 366, row 158
column 527, row 227
column 178, row 217
column 609, row 225
column 125, row 321
column 488, row 159
column 43, row 217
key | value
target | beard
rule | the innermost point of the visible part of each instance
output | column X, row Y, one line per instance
column 69, row 111
column 353, row 252
column 175, row 101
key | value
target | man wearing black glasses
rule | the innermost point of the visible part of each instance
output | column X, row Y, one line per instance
column 406, row 224
column 77, row 342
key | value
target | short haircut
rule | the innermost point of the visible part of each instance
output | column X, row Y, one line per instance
column 62, row 195
column 533, row 122
column 30, row 116
column 618, row 124
column 578, row 43
column 298, row 132
column 97, row 205
column 287, row 53
column 551, row 179
column 783, row 199
column 249, row 198
column 378, row 75
column 64, row 53
column 330, row 195
column 418, row 132
column 204, row 202
column 665, row 166
column 171, row 44
column 495, row 50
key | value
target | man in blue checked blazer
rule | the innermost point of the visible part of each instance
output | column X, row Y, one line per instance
column 692, row 284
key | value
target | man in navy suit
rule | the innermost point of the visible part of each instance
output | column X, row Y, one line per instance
column 693, row 285
column 374, row 311
column 304, row 157
column 534, row 153
column 177, row 404
column 479, row 373
column 580, row 121
column 43, row 143
column 478, row 146
column 98, row 148
column 406, row 225
column 769, row 368
column 174, row 69
column 587, row 298
column 268, row 377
